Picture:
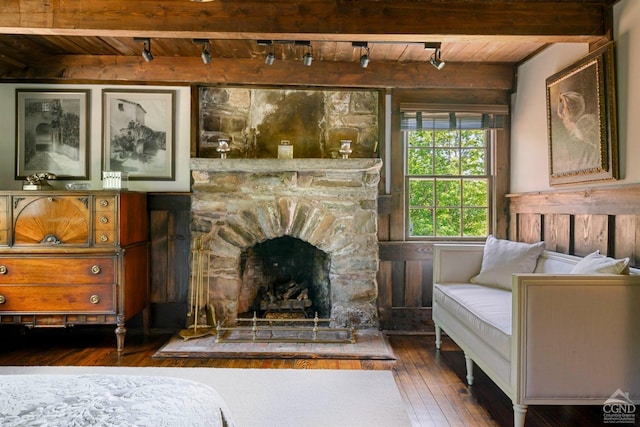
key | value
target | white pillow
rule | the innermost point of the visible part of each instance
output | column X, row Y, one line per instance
column 502, row 258
column 595, row 263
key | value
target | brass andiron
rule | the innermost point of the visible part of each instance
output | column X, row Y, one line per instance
column 198, row 303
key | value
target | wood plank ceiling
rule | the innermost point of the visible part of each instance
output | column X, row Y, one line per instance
column 95, row 40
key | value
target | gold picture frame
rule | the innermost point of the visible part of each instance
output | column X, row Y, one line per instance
column 581, row 117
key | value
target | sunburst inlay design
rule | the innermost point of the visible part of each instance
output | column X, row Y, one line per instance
column 65, row 218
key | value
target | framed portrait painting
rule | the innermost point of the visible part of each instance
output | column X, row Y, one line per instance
column 138, row 133
column 581, row 117
column 52, row 128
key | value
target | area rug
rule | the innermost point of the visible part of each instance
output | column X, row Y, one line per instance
column 281, row 397
column 370, row 344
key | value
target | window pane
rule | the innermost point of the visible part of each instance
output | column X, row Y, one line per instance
column 446, row 138
column 420, row 192
column 448, row 221
column 420, row 138
column 472, row 138
column 473, row 161
column 448, row 192
column 420, row 161
column 475, row 192
column 476, row 223
column 420, row 222
column 447, row 161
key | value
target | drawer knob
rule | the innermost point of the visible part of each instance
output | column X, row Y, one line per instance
column 2, row 299
column 3, row 269
column 104, row 220
column 104, row 238
column 95, row 269
column 94, row 299
column 104, row 203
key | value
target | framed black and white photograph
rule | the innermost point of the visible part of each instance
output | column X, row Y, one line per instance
column 581, row 116
column 138, row 133
column 52, row 128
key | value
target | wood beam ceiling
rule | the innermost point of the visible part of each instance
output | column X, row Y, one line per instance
column 247, row 71
column 339, row 20
column 177, row 21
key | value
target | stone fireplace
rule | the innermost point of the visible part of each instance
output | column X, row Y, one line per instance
column 274, row 222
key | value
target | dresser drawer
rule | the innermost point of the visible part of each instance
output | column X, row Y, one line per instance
column 4, row 221
column 57, row 298
column 105, row 220
column 58, row 270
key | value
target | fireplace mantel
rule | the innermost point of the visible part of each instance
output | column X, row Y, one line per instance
column 284, row 165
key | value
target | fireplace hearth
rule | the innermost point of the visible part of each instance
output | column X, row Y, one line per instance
column 302, row 228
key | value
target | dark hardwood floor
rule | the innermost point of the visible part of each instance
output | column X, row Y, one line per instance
column 431, row 382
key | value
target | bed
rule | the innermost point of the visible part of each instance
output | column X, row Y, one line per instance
column 109, row 400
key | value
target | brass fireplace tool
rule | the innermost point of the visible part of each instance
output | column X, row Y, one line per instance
column 200, row 309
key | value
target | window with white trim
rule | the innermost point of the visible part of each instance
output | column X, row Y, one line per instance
column 448, row 182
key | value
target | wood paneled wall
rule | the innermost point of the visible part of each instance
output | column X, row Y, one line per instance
column 169, row 215
column 579, row 222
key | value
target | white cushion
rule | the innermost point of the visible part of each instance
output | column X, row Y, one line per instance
column 595, row 263
column 502, row 258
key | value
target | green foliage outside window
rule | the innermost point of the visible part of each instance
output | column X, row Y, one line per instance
column 448, row 184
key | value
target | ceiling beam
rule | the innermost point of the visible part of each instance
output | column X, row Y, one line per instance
column 338, row 20
column 91, row 68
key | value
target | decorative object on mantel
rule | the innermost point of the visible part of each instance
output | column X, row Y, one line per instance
column 345, row 148
column 223, row 148
column 38, row 181
column 285, row 150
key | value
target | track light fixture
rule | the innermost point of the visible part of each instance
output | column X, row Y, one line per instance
column 146, row 49
column 307, row 59
column 205, row 54
column 364, row 57
column 435, row 57
column 270, row 57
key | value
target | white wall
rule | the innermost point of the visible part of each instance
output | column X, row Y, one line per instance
column 530, row 150
column 182, row 137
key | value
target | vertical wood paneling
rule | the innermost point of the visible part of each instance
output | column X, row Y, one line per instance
column 413, row 284
column 557, row 233
column 582, row 221
column 385, row 284
column 158, row 256
column 529, row 228
column 170, row 215
column 427, row 283
column 591, row 234
column 398, row 283
column 627, row 230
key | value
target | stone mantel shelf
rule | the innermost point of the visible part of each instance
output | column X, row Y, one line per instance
column 284, row 165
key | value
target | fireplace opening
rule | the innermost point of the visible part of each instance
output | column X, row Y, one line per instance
column 284, row 277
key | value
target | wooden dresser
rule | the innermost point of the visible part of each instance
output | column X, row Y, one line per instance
column 73, row 258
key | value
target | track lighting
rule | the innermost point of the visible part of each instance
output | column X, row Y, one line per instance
column 146, row 49
column 270, row 57
column 308, row 57
column 364, row 59
column 435, row 57
column 205, row 54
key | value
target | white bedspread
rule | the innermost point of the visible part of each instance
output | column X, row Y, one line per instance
column 109, row 400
